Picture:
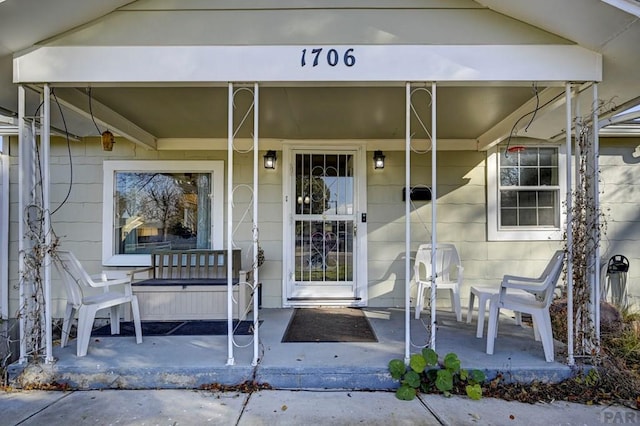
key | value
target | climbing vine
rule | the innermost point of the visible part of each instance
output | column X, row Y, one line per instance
column 31, row 287
column 39, row 243
column 33, row 256
column 587, row 228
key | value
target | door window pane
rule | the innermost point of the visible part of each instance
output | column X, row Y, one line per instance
column 324, row 191
column 323, row 251
column 324, row 184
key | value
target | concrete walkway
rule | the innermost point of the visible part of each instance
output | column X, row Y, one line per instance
column 196, row 407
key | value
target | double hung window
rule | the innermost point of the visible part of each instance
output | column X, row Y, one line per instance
column 526, row 186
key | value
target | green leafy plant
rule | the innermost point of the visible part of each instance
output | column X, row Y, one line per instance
column 425, row 374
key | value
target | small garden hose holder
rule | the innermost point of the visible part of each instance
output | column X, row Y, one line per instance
column 615, row 281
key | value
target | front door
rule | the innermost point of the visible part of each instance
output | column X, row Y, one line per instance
column 326, row 229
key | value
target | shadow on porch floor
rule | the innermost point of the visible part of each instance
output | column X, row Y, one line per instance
column 193, row 361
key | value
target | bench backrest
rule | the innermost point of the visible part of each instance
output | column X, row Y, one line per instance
column 186, row 264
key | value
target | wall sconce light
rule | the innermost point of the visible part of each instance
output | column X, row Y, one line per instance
column 378, row 160
column 270, row 160
column 107, row 141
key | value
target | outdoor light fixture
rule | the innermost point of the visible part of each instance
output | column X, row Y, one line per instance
column 107, row 141
column 270, row 160
column 378, row 160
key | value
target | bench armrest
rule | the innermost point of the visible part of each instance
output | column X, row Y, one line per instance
column 133, row 273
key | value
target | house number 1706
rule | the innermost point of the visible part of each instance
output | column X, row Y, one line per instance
column 332, row 57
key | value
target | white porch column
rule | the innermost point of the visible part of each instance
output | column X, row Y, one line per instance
column 230, row 360
column 4, row 228
column 570, row 331
column 596, row 202
column 25, row 180
column 45, row 145
column 407, row 225
column 256, row 323
column 434, row 199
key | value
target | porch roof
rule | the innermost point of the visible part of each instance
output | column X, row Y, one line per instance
column 466, row 43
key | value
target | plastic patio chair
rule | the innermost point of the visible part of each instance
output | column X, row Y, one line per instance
column 448, row 273
column 543, row 288
column 76, row 282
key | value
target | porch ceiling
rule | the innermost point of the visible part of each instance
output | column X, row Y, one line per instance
column 464, row 112
column 312, row 112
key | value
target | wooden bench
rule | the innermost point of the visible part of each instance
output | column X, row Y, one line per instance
column 190, row 284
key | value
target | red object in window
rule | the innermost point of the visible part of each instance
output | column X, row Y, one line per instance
column 516, row 148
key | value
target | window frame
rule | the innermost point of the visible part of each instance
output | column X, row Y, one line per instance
column 110, row 167
column 530, row 233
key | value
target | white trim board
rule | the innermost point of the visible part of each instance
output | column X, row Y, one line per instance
column 349, row 63
column 220, row 144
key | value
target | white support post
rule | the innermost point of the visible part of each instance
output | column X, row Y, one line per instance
column 45, row 148
column 230, row 360
column 434, row 198
column 4, row 228
column 578, row 183
column 256, row 323
column 596, row 202
column 23, row 182
column 407, row 224
column 570, row 331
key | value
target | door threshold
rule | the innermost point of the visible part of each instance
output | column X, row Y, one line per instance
column 319, row 299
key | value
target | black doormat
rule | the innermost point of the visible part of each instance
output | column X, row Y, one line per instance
column 179, row 328
column 328, row 325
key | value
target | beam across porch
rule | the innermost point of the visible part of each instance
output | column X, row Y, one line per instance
column 81, row 103
column 351, row 63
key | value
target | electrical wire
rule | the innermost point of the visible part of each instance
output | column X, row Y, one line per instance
column 34, row 124
column 35, row 114
column 66, row 132
column 91, row 112
column 534, row 112
column 38, row 185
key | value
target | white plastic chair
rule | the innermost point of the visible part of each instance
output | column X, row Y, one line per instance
column 76, row 282
column 543, row 288
column 486, row 294
column 448, row 273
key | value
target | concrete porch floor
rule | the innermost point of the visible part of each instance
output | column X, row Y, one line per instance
column 192, row 361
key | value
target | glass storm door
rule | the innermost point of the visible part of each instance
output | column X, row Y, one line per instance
column 323, row 229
